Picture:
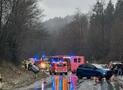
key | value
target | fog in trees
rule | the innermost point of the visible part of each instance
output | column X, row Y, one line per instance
column 97, row 35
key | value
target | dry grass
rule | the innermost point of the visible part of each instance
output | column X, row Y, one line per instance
column 17, row 77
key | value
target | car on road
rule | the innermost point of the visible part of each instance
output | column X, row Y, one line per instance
column 90, row 70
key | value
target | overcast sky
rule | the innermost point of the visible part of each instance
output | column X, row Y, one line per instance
column 56, row 8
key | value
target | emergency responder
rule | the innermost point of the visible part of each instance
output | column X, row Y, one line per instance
column 119, row 69
column 110, row 66
column 122, row 67
column 115, row 69
column 24, row 64
column 29, row 66
column 1, row 84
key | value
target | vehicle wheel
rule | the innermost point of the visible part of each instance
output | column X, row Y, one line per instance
column 50, row 73
column 107, row 78
column 88, row 77
column 66, row 73
column 61, row 73
column 80, row 77
column 54, row 73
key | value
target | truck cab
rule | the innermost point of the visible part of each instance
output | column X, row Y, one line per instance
column 58, row 68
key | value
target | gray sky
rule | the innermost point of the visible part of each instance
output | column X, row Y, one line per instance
column 61, row 8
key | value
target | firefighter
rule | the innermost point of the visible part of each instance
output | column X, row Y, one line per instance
column 119, row 69
column 110, row 66
column 1, row 84
column 24, row 64
column 0, row 78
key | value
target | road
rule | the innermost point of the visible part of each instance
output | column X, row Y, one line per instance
column 83, row 84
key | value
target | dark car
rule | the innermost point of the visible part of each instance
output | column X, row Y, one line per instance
column 33, row 68
column 89, row 70
column 117, row 69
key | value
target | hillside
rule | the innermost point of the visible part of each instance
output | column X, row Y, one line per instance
column 15, row 77
column 57, row 23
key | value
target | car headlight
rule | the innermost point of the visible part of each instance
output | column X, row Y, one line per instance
column 104, row 73
column 43, row 65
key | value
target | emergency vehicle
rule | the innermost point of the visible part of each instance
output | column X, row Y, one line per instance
column 73, row 62
column 76, row 61
column 68, row 60
column 58, row 66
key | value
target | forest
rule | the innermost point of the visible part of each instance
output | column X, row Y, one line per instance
column 97, row 35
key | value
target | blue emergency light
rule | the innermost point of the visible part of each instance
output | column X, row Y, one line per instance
column 36, row 57
column 43, row 55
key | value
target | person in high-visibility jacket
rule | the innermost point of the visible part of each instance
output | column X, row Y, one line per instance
column 1, row 83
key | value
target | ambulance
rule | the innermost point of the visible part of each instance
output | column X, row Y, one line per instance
column 73, row 62
column 76, row 61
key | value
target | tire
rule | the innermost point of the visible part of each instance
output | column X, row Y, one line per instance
column 50, row 73
column 107, row 78
column 54, row 73
column 88, row 77
column 65, row 73
column 61, row 73
column 80, row 77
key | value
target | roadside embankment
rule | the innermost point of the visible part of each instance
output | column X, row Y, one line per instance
column 16, row 77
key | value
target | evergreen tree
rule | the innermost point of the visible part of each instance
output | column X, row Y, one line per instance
column 97, row 31
column 109, row 18
column 119, row 10
column 117, row 34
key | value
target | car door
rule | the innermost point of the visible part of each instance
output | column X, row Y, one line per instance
column 86, row 70
column 90, row 70
column 81, row 71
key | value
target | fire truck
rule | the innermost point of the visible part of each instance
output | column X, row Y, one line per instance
column 58, row 66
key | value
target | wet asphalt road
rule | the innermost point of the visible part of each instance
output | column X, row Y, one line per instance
column 104, row 85
column 84, row 84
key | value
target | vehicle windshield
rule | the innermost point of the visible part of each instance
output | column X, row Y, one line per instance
column 99, row 66
column 55, row 59
column 60, row 65
column 87, row 66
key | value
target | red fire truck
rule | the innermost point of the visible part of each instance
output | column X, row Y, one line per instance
column 58, row 67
